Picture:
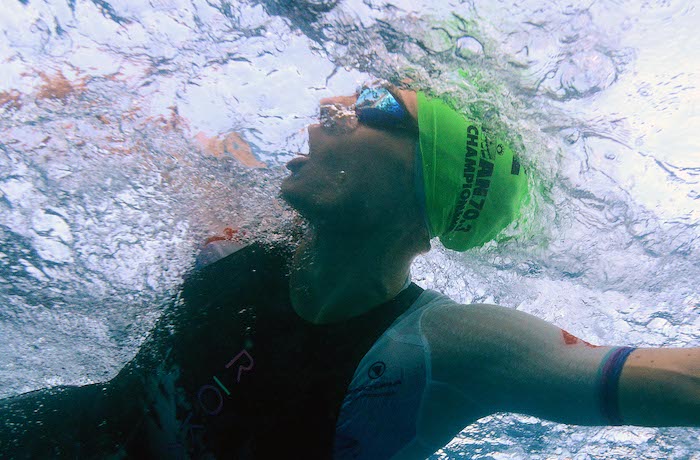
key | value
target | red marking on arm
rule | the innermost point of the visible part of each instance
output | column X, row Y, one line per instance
column 570, row 339
column 214, row 238
column 230, row 234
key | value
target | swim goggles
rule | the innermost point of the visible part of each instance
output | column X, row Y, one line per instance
column 376, row 107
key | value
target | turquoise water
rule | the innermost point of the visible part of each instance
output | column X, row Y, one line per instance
column 125, row 127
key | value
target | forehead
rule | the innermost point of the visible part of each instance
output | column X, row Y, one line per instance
column 399, row 107
column 407, row 98
column 363, row 147
column 343, row 100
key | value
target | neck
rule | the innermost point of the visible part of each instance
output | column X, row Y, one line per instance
column 335, row 277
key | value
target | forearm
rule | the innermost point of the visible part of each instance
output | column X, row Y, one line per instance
column 661, row 387
column 91, row 421
column 62, row 422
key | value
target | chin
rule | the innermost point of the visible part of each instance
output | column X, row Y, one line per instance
column 308, row 206
column 296, row 198
column 287, row 190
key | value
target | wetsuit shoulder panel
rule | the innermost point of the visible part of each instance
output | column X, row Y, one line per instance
column 393, row 392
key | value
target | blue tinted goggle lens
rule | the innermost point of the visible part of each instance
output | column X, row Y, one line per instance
column 377, row 107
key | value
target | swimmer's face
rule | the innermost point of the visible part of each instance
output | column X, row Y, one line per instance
column 355, row 177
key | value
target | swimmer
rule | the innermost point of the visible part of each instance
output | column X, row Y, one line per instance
column 330, row 351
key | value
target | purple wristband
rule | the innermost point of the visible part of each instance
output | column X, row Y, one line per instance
column 611, row 368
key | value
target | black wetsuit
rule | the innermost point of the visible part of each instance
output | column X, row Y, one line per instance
column 279, row 397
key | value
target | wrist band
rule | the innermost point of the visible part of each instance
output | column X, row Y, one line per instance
column 610, row 371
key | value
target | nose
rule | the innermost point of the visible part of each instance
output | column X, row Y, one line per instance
column 313, row 131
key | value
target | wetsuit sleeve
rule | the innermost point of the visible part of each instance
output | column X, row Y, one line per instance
column 510, row 361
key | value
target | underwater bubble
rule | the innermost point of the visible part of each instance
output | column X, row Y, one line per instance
column 468, row 47
column 586, row 73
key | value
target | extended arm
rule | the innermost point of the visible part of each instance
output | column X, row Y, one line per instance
column 67, row 422
column 661, row 387
column 516, row 362
column 136, row 412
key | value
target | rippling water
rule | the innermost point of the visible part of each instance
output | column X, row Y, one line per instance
column 131, row 131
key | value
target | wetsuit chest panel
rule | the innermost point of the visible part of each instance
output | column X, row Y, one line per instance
column 379, row 412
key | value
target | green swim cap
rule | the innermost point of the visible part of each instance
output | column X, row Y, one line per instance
column 474, row 184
